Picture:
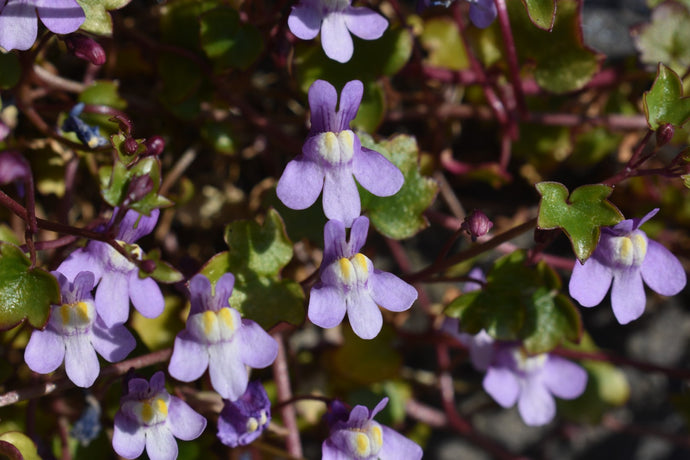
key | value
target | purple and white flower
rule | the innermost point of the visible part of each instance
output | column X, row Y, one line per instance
column 18, row 25
column 349, row 283
column 75, row 333
column 332, row 154
column 336, row 19
column 622, row 260
column 216, row 337
column 242, row 421
column 119, row 277
column 151, row 417
column 356, row 435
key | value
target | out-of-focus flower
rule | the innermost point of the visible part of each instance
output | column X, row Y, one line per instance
column 75, row 333
column 88, row 427
column 18, row 25
column 119, row 277
column 356, row 435
column 336, row 19
column 482, row 12
column 13, row 167
column 151, row 417
column 88, row 135
column 349, row 283
column 216, row 337
column 85, row 48
column 332, row 154
column 242, row 421
column 625, row 257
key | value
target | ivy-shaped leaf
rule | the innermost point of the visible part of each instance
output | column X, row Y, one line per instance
column 401, row 215
column 519, row 302
column 664, row 102
column 542, row 13
column 256, row 256
column 25, row 293
column 579, row 216
column 116, row 181
column 665, row 37
column 98, row 20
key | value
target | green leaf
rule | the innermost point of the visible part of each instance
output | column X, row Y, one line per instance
column 561, row 62
column 401, row 215
column 98, row 20
column 579, row 216
column 664, row 102
column 257, row 255
column 519, row 302
column 227, row 42
column 115, row 182
column 25, row 293
column 103, row 93
column 159, row 332
column 164, row 272
column 16, row 445
column 441, row 39
column 179, row 22
column 542, row 13
column 11, row 70
column 665, row 37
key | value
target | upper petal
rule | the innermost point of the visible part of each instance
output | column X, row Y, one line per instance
column 391, row 292
column 184, row 422
column 322, row 100
column 365, row 23
column 134, row 225
column 334, row 242
column 563, row 378
column 199, row 293
column 326, row 306
column 129, row 438
column 300, row 184
column 627, row 295
column 358, row 235
column 18, row 25
column 304, row 21
column 258, row 348
column 80, row 260
column 350, row 99
column 335, row 38
column 60, row 16
column 662, row 271
column 340, row 196
column 483, row 13
column 590, row 282
column 375, row 173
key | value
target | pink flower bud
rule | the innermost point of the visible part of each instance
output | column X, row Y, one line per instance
column 476, row 224
column 85, row 48
column 664, row 134
column 154, row 146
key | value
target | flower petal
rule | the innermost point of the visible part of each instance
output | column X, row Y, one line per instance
column 376, row 174
column 662, row 271
column 340, row 196
column 322, row 100
column 18, row 26
column 502, row 385
column 334, row 243
column 397, row 446
column 112, row 299
column 134, row 225
column 189, row 359
column 45, row 351
column 79, row 261
column 536, row 405
column 326, row 306
column 146, row 296
column 81, row 362
column 305, row 21
column 113, row 343
column 300, row 184
column 365, row 23
column 627, row 295
column 60, row 16
column 335, row 38
column 350, row 99
column 590, row 282
column 358, row 235
column 483, row 13
column 228, row 375
column 563, row 378
column 258, row 348
column 364, row 315
column 129, row 439
column 160, row 443
column 330, row 452
column 391, row 292
column 184, row 422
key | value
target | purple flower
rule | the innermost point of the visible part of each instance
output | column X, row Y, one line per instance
column 532, row 382
column 336, row 19
column 482, row 12
column 242, row 421
column 18, row 26
column 75, row 333
column 349, row 283
column 332, row 154
column 151, row 417
column 626, row 257
column 217, row 338
column 355, row 435
column 119, row 278
column 88, row 135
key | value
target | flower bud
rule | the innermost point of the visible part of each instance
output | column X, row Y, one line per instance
column 139, row 187
column 148, row 266
column 131, row 146
column 476, row 224
column 664, row 134
column 85, row 48
column 154, row 146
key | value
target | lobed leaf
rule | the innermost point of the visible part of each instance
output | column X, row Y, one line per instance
column 664, row 102
column 542, row 13
column 665, row 37
column 98, row 20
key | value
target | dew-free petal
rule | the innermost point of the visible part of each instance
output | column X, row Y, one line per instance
column 228, row 374
column 335, row 38
column 563, row 378
column 18, row 26
column 340, row 197
column 627, row 296
column 662, row 271
column 112, row 298
column 305, row 22
column 45, row 351
column 259, row 349
column 590, row 282
column 376, row 174
column 326, row 306
column 60, row 16
column 128, row 439
column 502, row 385
column 185, row 422
column 160, row 443
column 391, row 292
column 81, row 362
column 300, row 184
column 189, row 359
column 146, row 296
column 365, row 23
column 536, row 405
column 365, row 317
